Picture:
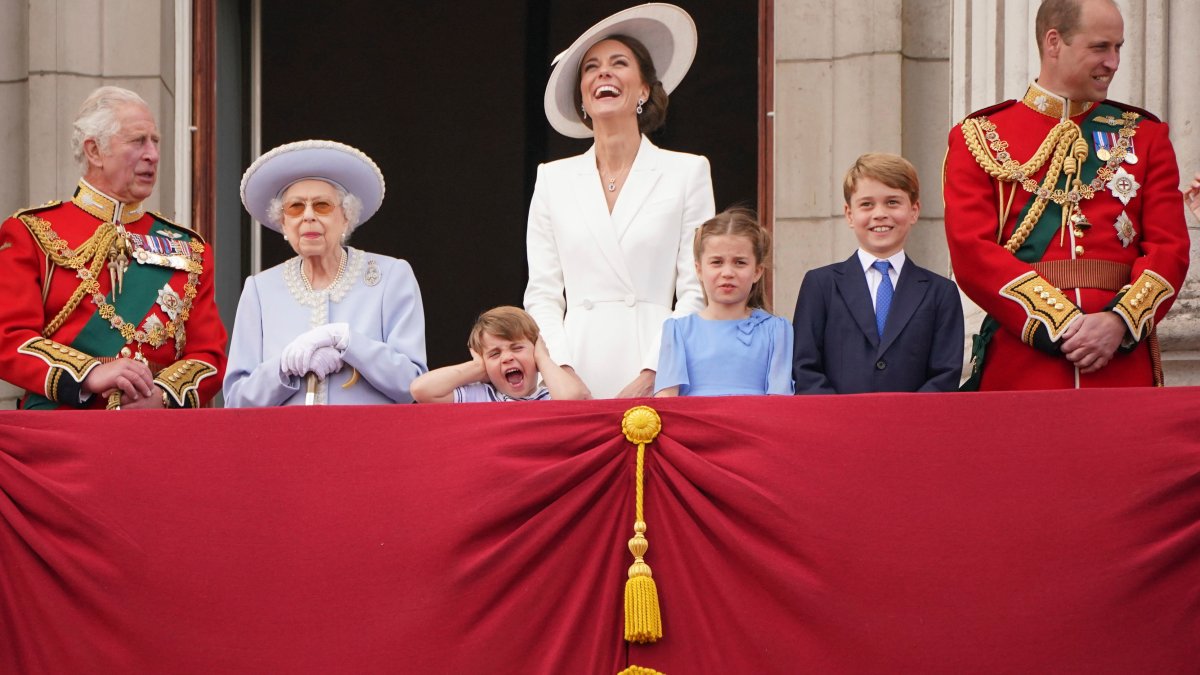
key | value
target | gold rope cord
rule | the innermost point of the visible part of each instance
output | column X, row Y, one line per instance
column 643, row 620
column 1059, row 141
column 1066, row 137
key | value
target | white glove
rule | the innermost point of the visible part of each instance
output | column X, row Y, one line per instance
column 324, row 361
column 296, row 358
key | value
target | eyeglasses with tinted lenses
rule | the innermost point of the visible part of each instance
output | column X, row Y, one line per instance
column 320, row 207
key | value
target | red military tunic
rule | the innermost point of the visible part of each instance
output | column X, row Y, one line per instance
column 59, row 317
column 1129, row 253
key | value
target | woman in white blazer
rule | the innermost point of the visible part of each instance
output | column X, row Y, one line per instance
column 610, row 231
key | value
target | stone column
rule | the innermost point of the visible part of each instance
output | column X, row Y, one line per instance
column 853, row 78
column 52, row 54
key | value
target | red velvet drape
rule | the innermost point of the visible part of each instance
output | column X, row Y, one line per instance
column 982, row 533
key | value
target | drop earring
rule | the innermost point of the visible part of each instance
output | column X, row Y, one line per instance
column 583, row 111
column 640, row 102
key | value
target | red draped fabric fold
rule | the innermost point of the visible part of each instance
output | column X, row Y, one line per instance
column 982, row 533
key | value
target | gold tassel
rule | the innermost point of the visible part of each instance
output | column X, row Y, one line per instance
column 638, row 670
column 643, row 620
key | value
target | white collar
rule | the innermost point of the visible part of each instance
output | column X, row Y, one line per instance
column 866, row 259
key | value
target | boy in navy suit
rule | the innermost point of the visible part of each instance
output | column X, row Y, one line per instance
column 877, row 321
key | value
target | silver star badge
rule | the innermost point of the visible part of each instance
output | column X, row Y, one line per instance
column 170, row 301
column 1125, row 231
column 1123, row 186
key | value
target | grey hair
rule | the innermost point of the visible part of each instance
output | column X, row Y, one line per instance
column 351, row 206
column 97, row 120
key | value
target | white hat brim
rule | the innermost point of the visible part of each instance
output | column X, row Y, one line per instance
column 274, row 171
column 668, row 33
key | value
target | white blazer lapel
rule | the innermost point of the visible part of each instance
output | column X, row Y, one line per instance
column 593, row 209
column 643, row 176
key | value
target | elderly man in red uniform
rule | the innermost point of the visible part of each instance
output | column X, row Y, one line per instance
column 105, row 304
column 1064, row 218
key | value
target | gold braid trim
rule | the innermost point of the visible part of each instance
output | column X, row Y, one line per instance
column 1140, row 301
column 91, row 255
column 88, row 260
column 180, row 380
column 1044, row 304
column 61, row 359
column 1065, row 141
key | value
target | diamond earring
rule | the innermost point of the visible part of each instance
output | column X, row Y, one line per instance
column 583, row 111
column 640, row 102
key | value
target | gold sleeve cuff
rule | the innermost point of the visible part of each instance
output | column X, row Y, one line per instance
column 1140, row 301
column 1044, row 304
column 180, row 380
column 62, row 360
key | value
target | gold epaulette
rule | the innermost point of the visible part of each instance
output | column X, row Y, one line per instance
column 1140, row 300
column 1044, row 305
column 181, row 379
column 167, row 221
column 30, row 209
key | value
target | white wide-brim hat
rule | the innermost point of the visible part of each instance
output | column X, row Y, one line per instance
column 330, row 161
column 668, row 33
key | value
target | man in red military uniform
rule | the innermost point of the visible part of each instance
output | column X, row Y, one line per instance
column 1064, row 218
column 104, row 304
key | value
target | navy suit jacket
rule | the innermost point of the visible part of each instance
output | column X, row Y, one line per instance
column 838, row 350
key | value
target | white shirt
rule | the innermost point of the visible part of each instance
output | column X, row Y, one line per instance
column 874, row 278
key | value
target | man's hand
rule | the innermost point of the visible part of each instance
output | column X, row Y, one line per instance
column 132, row 378
column 1091, row 341
column 154, row 402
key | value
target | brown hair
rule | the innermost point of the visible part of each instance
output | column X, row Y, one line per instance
column 892, row 170
column 654, row 110
column 505, row 322
column 1063, row 16
column 739, row 222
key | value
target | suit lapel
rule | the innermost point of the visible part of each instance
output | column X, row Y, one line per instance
column 643, row 176
column 852, row 287
column 593, row 209
column 909, row 292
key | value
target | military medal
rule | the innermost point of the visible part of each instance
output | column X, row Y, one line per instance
column 1125, row 231
column 1123, row 186
column 1130, row 156
column 1103, row 141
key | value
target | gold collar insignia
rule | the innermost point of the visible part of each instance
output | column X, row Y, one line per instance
column 1050, row 104
column 106, row 208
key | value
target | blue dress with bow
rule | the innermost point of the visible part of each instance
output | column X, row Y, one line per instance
column 742, row 357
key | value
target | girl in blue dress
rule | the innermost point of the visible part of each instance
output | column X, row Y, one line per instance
column 734, row 346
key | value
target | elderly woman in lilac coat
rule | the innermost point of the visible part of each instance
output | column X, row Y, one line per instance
column 334, row 325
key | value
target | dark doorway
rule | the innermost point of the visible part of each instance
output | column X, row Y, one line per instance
column 448, row 101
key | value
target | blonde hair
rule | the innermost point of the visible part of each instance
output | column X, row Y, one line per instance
column 892, row 170
column 505, row 322
column 739, row 222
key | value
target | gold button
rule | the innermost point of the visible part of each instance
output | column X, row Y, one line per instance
column 1078, row 250
column 1078, row 234
column 1134, row 302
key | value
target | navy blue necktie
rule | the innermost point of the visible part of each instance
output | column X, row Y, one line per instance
column 883, row 296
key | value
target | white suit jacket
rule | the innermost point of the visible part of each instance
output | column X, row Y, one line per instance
column 601, row 285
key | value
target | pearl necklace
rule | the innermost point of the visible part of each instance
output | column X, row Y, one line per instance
column 341, row 269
